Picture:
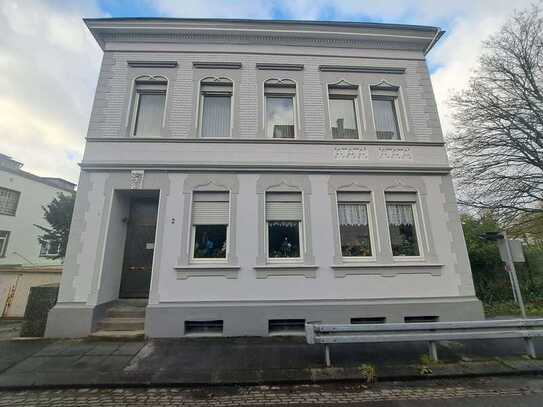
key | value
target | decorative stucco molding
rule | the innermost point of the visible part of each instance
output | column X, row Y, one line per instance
column 395, row 154
column 308, row 271
column 351, row 153
column 280, row 67
column 136, row 179
column 361, row 69
column 216, row 65
column 207, row 270
column 152, row 64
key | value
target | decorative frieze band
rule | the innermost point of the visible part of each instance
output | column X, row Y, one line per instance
column 350, row 153
column 361, row 69
column 395, row 153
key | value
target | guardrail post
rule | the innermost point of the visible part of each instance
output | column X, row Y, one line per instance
column 432, row 350
column 327, row 355
column 530, row 348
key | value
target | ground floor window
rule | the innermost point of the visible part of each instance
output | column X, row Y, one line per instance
column 4, row 237
column 284, row 239
column 354, row 229
column 403, row 234
column 210, row 241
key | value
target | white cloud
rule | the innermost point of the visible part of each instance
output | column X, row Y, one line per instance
column 49, row 62
column 48, row 70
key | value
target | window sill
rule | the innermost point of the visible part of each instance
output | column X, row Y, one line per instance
column 286, row 269
column 207, row 270
column 386, row 270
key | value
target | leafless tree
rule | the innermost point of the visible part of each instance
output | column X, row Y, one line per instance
column 497, row 144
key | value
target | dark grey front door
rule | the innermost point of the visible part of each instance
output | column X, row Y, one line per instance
column 139, row 248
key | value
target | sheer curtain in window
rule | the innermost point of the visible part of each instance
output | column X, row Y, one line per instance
column 400, row 214
column 216, row 116
column 352, row 214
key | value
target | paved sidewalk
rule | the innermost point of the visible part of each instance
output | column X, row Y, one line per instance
column 69, row 363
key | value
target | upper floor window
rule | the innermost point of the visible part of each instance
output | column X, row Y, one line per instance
column 4, row 238
column 210, row 219
column 215, row 107
column 148, row 108
column 343, row 108
column 284, row 216
column 385, row 112
column 402, row 224
column 9, row 200
column 280, row 105
column 354, row 226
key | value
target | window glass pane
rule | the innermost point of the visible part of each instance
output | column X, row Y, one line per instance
column 210, row 242
column 354, row 229
column 4, row 235
column 280, row 117
column 386, row 121
column 343, row 118
column 283, row 239
column 216, row 116
column 403, row 235
column 8, row 201
column 149, row 114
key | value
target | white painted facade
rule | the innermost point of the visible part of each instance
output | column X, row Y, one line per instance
column 248, row 289
column 23, row 247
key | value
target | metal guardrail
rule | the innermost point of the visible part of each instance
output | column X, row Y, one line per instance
column 430, row 332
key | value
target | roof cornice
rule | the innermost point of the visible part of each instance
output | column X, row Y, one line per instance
column 302, row 33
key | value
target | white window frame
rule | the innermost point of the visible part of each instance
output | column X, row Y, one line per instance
column 395, row 96
column 48, row 247
column 223, row 92
column 417, row 231
column 4, row 243
column 281, row 91
column 350, row 94
column 159, row 88
column 369, row 211
column 195, row 260
column 17, row 200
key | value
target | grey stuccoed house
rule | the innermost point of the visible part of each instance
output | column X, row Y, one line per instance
column 241, row 178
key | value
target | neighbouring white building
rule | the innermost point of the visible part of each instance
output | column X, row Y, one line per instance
column 22, row 196
column 243, row 177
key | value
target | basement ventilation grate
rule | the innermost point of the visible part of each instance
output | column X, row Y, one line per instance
column 417, row 319
column 204, row 327
column 286, row 326
column 370, row 320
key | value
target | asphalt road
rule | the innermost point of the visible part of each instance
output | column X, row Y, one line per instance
column 495, row 392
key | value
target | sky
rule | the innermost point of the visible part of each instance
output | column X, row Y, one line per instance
column 49, row 62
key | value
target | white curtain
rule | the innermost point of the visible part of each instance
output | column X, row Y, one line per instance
column 150, row 111
column 385, row 118
column 352, row 214
column 400, row 214
column 216, row 116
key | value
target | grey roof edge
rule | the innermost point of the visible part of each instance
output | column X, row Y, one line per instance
column 44, row 180
column 93, row 24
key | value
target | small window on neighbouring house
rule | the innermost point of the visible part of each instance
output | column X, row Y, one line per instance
column 210, row 219
column 216, row 110
column 148, row 108
column 49, row 248
column 4, row 240
column 280, row 105
column 386, row 117
column 9, row 200
column 402, row 228
column 354, row 224
column 284, row 217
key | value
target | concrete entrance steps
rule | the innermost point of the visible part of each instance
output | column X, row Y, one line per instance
column 124, row 319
